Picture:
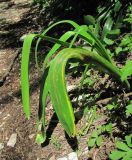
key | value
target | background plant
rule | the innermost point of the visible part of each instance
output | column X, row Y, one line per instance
column 111, row 22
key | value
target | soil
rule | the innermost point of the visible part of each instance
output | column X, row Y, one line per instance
column 18, row 18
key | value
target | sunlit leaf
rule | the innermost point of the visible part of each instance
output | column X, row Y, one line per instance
column 24, row 73
column 116, row 155
column 126, row 70
column 122, row 146
column 91, row 142
column 129, row 139
column 99, row 140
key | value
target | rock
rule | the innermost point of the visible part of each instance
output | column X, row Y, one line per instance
column 85, row 151
column 23, row 37
column 31, row 136
column 13, row 15
column 52, row 158
column 8, row 115
column 12, row 140
column 71, row 87
column 64, row 158
column 18, row 2
column 1, row 146
column 72, row 156
column 2, row 124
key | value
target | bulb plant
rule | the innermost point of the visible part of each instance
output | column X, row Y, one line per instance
column 53, row 70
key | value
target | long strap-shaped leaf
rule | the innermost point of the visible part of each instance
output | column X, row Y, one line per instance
column 64, row 38
column 87, row 36
column 72, row 23
column 25, row 65
column 57, row 85
column 44, row 90
column 58, row 93
column 24, row 73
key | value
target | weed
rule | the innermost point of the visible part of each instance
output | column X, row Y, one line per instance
column 123, row 149
column 55, row 142
column 129, row 109
column 96, row 136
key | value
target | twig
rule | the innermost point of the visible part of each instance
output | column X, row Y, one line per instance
column 107, row 100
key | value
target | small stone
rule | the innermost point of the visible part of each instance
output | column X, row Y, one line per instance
column 1, row 146
column 64, row 158
column 8, row 115
column 72, row 156
column 23, row 37
column 2, row 124
column 52, row 158
column 70, row 88
column 31, row 136
column 85, row 151
column 12, row 140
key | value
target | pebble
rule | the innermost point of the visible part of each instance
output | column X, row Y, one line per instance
column 71, row 87
column 23, row 37
column 72, row 156
column 86, row 150
column 8, row 115
column 52, row 158
column 31, row 136
column 1, row 146
column 64, row 158
column 12, row 140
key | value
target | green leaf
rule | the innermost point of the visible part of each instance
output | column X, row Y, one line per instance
column 108, row 41
column 40, row 139
column 99, row 140
column 126, row 70
column 128, row 156
column 122, row 146
column 56, row 76
column 114, row 32
column 94, row 134
column 129, row 109
column 24, row 73
column 88, row 20
column 116, row 155
column 127, row 39
column 118, row 50
column 108, row 25
column 108, row 127
column 62, row 106
column 129, row 140
column 72, row 23
column 117, row 6
column 91, row 142
column 44, row 90
column 110, row 107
